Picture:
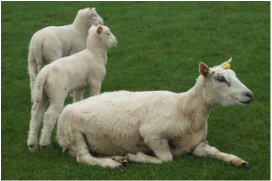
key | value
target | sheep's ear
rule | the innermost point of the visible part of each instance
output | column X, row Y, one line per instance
column 89, row 12
column 204, row 69
column 226, row 65
column 99, row 30
column 92, row 9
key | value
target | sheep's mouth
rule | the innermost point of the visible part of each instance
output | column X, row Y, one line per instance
column 247, row 102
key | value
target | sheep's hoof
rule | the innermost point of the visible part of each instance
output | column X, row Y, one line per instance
column 242, row 163
column 120, row 168
column 32, row 148
column 121, row 159
column 43, row 146
column 72, row 153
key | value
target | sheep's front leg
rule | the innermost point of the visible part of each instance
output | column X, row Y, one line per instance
column 203, row 149
column 143, row 158
column 159, row 146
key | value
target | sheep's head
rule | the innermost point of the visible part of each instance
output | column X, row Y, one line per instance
column 90, row 16
column 102, row 34
column 222, row 87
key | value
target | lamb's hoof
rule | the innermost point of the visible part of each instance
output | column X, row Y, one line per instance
column 121, row 159
column 43, row 146
column 32, row 148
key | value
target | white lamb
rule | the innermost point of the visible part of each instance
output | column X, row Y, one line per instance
column 77, row 72
column 160, row 123
column 54, row 42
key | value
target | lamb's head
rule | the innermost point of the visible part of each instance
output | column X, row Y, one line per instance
column 103, row 35
column 90, row 17
column 222, row 87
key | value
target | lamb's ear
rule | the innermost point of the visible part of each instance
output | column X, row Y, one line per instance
column 226, row 65
column 93, row 26
column 204, row 69
column 92, row 9
column 89, row 12
column 99, row 30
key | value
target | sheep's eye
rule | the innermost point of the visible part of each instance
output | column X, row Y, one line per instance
column 94, row 15
column 221, row 79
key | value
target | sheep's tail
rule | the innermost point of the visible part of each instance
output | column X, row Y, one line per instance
column 38, row 86
column 35, row 58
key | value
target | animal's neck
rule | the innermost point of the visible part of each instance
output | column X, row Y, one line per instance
column 194, row 107
column 82, row 26
column 98, row 50
column 202, row 92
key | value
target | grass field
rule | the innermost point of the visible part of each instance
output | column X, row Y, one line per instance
column 160, row 45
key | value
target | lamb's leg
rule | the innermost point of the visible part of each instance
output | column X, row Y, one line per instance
column 78, row 95
column 33, row 70
column 203, row 149
column 95, row 87
column 35, row 122
column 83, row 156
column 50, row 118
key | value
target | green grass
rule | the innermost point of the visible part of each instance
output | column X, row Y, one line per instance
column 160, row 45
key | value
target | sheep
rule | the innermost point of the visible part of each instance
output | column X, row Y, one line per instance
column 85, row 69
column 54, row 42
column 151, row 126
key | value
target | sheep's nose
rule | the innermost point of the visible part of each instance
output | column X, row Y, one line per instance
column 250, row 95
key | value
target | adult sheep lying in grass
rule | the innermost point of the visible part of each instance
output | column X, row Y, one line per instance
column 54, row 42
column 159, row 123
column 77, row 72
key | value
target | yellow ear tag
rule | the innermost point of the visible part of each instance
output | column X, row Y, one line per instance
column 100, row 29
column 90, row 8
column 226, row 66
column 206, row 70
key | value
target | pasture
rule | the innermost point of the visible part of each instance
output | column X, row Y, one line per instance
column 160, row 45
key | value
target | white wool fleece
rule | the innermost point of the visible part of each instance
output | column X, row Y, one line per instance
column 77, row 72
column 54, row 42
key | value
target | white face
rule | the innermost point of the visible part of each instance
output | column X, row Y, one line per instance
column 97, row 19
column 109, row 38
column 104, row 34
column 225, row 89
column 91, row 16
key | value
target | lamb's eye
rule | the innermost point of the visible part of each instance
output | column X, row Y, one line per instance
column 94, row 15
column 221, row 79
